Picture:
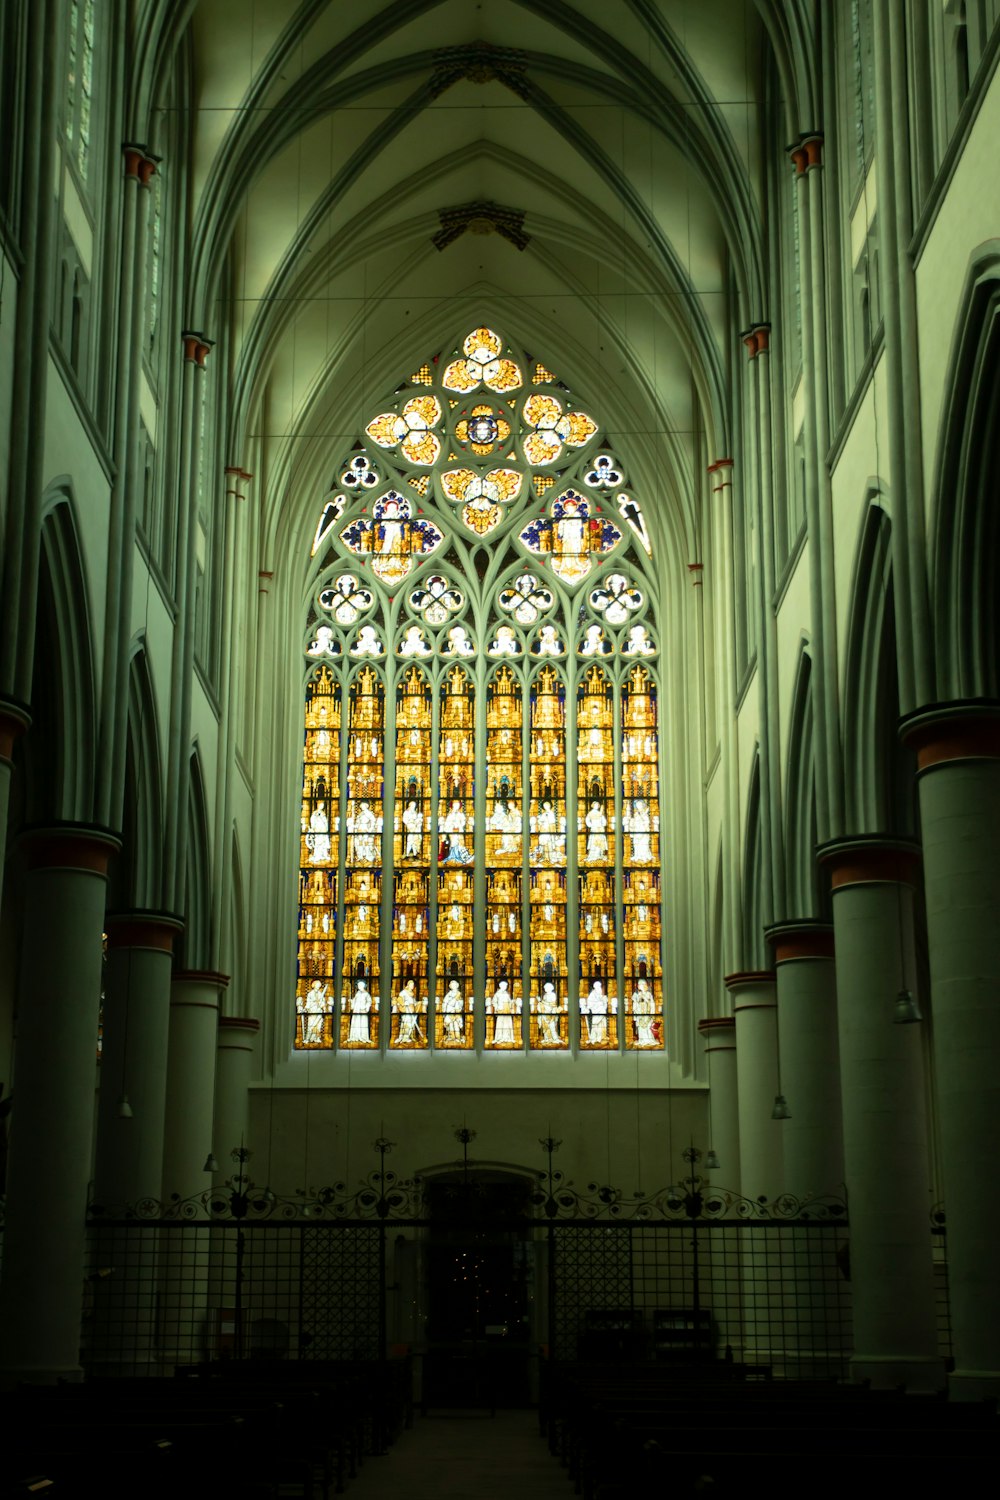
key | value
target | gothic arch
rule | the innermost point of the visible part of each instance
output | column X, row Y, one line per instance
column 470, row 723
column 135, row 875
column 716, row 959
column 198, row 872
column 966, row 540
column 804, row 888
column 232, row 948
column 61, row 750
column 878, row 777
column 754, row 953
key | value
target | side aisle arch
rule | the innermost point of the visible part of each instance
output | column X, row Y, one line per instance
column 64, row 677
column 966, row 555
column 480, row 817
column 877, row 767
column 805, row 887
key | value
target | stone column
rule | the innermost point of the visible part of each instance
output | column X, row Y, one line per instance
column 721, row 479
column 885, row 1117
column 130, row 1115
column 755, row 1009
column 196, row 350
column 235, row 1047
column 813, row 1138
column 807, row 159
column 53, row 1120
column 719, row 1036
column 129, row 1158
column 233, row 1297
column 723, row 1287
column 812, row 1285
column 958, row 758
column 190, row 1107
column 757, row 342
column 760, row 1291
column 892, row 44
column 186, row 1249
column 139, row 169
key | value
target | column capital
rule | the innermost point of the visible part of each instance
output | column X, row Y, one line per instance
column 196, row 347
column 86, row 847
column 140, row 162
column 757, row 339
column 967, row 729
column 210, row 977
column 154, row 930
column 718, row 1033
column 236, row 479
column 238, row 1031
column 752, row 989
column 15, row 718
column 867, row 859
column 800, row 939
column 197, row 989
column 807, row 152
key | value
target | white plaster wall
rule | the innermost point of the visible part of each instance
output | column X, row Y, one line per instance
column 70, row 453
column 152, row 619
column 792, row 628
column 864, row 455
column 747, row 736
column 488, row 1071
column 617, row 1137
column 205, row 733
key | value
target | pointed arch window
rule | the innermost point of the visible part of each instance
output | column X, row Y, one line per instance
column 480, row 818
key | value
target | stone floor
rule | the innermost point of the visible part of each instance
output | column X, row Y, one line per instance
column 466, row 1456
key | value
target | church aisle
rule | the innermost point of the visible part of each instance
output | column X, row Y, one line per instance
column 467, row 1456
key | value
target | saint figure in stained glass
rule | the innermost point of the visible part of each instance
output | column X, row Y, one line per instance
column 571, row 536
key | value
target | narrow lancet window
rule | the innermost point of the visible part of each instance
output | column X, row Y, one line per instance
column 595, row 724
column 455, row 860
column 318, row 860
column 411, row 850
column 641, row 860
column 360, row 969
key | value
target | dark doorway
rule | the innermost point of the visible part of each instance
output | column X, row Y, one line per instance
column 480, row 1290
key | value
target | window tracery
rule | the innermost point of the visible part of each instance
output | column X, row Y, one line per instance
column 480, row 840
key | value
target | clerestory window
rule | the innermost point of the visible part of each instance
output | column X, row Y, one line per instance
column 480, row 818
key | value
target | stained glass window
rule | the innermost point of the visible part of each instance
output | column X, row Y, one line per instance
column 480, row 818
column 411, row 861
column 596, row 823
column 79, row 82
column 360, row 967
column 318, row 861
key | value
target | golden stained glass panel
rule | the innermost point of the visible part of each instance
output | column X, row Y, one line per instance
column 412, row 858
column 641, row 862
column 359, row 980
column 318, row 862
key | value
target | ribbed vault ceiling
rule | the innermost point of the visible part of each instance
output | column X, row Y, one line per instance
column 371, row 179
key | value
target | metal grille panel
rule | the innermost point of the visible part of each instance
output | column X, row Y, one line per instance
column 341, row 1287
column 775, row 1294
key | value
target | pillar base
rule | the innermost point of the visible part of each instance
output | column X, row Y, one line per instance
column 891, row 1373
column 974, row 1385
